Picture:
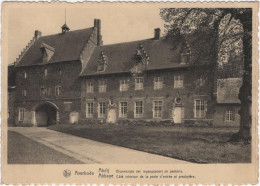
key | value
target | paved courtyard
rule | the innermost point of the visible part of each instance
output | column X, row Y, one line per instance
column 89, row 151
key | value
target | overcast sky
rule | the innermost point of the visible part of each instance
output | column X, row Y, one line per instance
column 118, row 24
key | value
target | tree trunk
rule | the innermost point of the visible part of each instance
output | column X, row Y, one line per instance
column 245, row 92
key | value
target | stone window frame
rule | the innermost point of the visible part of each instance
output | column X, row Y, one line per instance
column 154, row 113
column 89, row 88
column 178, row 81
column 135, row 109
column 140, row 84
column 25, row 75
column 21, row 112
column 158, row 82
column 200, row 106
column 102, row 115
column 24, row 92
column 229, row 115
column 45, row 72
column 123, row 85
column 123, row 115
column 87, row 109
column 57, row 90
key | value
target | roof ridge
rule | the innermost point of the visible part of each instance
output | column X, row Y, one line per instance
column 67, row 32
column 128, row 42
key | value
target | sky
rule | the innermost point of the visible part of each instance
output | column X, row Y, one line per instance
column 118, row 24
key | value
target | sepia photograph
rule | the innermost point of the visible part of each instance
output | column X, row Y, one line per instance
column 144, row 85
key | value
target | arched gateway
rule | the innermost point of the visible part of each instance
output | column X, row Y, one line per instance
column 46, row 114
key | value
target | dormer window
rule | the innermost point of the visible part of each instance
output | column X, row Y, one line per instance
column 102, row 62
column 47, row 52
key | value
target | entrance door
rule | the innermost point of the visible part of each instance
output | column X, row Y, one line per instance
column 177, row 115
column 74, row 117
column 111, row 116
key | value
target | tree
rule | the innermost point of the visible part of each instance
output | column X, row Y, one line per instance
column 230, row 28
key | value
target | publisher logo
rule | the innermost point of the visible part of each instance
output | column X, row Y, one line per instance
column 66, row 173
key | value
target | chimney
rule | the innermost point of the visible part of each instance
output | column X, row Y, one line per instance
column 97, row 24
column 157, row 33
column 37, row 34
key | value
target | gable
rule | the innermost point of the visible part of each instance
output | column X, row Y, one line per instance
column 67, row 47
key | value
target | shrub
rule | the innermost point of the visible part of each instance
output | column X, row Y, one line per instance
column 199, row 123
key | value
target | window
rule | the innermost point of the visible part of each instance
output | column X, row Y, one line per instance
column 158, row 83
column 58, row 90
column 25, row 75
column 157, row 109
column 9, row 111
column 178, row 81
column 21, row 114
column 45, row 72
column 45, row 91
column 67, row 106
column 24, row 93
column 60, row 72
column 123, row 110
column 139, row 83
column 138, row 109
column 123, row 85
column 90, row 88
column 200, row 108
column 201, row 81
column 102, row 86
column 90, row 110
column 229, row 115
column 102, row 110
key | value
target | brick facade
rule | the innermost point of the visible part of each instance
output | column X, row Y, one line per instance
column 167, row 94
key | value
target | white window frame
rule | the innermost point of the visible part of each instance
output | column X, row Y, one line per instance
column 57, row 90
column 178, row 81
column 229, row 115
column 90, row 87
column 123, row 108
column 21, row 114
column 123, row 85
column 135, row 109
column 102, row 86
column 158, row 82
column 139, row 83
column 88, row 108
column 102, row 115
column 156, row 114
column 199, row 111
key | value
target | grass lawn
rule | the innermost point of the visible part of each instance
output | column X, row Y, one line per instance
column 201, row 145
column 22, row 150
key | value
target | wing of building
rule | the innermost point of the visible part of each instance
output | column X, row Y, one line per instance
column 71, row 77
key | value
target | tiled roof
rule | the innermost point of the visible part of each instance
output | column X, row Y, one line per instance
column 68, row 47
column 162, row 54
column 228, row 89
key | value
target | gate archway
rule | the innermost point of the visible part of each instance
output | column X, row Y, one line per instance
column 46, row 114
